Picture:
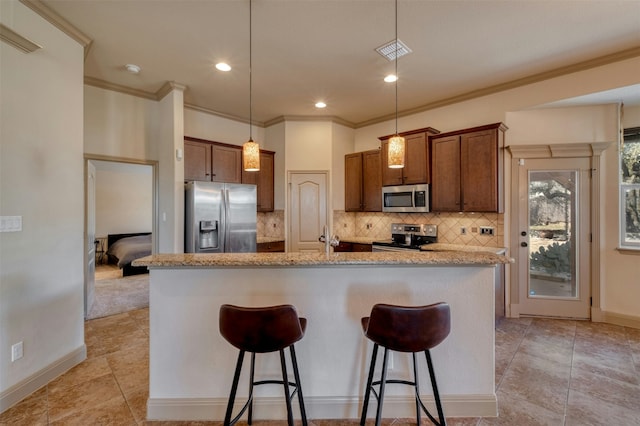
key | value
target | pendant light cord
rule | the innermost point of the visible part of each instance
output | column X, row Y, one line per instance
column 250, row 79
column 396, row 64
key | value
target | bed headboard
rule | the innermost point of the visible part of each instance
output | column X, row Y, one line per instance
column 112, row 238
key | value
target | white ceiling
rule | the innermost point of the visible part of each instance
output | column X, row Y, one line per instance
column 309, row 50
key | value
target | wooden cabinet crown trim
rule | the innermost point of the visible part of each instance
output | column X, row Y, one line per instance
column 499, row 126
column 228, row 145
column 429, row 130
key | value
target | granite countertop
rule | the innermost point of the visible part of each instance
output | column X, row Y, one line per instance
column 261, row 240
column 318, row 259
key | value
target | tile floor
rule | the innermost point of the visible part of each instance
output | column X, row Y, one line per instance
column 548, row 372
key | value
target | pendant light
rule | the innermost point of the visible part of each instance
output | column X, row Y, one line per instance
column 395, row 151
column 250, row 149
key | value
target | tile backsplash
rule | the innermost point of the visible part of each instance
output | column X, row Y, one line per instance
column 271, row 224
column 378, row 225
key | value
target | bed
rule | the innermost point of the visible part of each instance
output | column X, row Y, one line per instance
column 125, row 248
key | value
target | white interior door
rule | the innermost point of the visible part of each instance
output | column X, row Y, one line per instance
column 307, row 210
column 90, row 270
column 553, row 237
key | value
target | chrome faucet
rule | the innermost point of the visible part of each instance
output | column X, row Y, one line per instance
column 328, row 240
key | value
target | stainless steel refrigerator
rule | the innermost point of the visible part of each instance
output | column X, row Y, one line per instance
column 220, row 217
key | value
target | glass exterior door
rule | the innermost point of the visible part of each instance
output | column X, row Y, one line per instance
column 552, row 259
column 554, row 238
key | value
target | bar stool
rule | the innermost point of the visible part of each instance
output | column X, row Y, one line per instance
column 405, row 329
column 262, row 330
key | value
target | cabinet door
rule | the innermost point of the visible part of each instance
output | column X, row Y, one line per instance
column 353, row 182
column 197, row 161
column 226, row 164
column 371, row 181
column 416, row 159
column 263, row 179
column 445, row 177
column 265, row 182
column 479, row 171
column 389, row 176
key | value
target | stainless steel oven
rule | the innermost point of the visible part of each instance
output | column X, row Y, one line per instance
column 406, row 236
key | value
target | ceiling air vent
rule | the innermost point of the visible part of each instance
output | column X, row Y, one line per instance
column 388, row 50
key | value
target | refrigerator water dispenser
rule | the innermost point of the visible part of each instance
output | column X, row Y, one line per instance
column 208, row 234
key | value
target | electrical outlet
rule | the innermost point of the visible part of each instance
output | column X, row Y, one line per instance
column 486, row 230
column 16, row 351
column 463, row 231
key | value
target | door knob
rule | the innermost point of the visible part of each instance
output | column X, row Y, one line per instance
column 523, row 244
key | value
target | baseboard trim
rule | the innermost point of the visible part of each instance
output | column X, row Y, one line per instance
column 213, row 409
column 631, row 321
column 26, row 387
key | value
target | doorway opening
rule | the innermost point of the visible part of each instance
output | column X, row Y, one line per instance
column 121, row 199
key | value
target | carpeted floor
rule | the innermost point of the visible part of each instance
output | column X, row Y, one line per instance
column 116, row 294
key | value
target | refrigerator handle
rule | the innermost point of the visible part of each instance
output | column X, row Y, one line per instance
column 225, row 215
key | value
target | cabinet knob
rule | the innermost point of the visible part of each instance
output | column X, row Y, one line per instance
column 523, row 244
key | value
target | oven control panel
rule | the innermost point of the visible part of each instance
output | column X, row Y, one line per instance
column 416, row 229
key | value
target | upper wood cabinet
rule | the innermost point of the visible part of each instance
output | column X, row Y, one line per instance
column 263, row 179
column 363, row 182
column 467, row 170
column 416, row 158
column 197, row 161
column 212, row 161
column 353, row 182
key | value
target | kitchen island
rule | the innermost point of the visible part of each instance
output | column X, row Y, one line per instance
column 191, row 365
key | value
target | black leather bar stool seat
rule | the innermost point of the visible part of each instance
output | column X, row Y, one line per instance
column 262, row 330
column 405, row 329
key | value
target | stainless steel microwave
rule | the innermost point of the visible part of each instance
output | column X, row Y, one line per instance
column 405, row 198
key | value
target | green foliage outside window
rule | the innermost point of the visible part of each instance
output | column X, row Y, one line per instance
column 630, row 183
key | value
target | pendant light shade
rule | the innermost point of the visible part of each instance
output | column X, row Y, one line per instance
column 395, row 159
column 395, row 152
column 251, row 156
column 250, row 149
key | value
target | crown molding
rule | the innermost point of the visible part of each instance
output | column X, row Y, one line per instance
column 631, row 53
column 331, row 118
column 169, row 87
column 59, row 22
column 90, row 81
column 16, row 40
column 223, row 115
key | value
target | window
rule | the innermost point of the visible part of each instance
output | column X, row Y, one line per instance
column 630, row 189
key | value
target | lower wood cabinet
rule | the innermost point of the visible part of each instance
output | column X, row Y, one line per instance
column 271, row 247
column 346, row 246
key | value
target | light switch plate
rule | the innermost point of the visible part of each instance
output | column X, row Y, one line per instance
column 10, row 223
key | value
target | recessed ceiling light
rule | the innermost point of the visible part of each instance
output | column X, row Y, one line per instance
column 133, row 69
column 222, row 66
column 320, row 104
column 391, row 78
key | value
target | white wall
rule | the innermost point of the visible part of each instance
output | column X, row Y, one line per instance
column 198, row 124
column 119, row 125
column 41, row 180
column 124, row 198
